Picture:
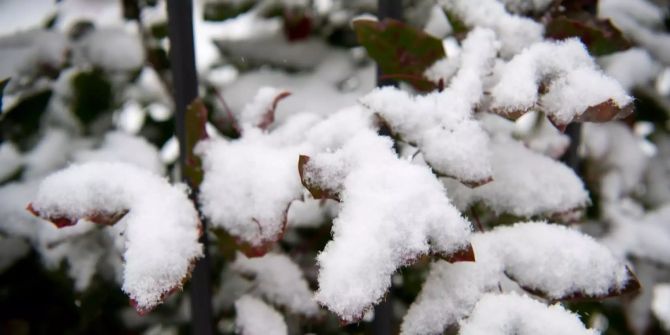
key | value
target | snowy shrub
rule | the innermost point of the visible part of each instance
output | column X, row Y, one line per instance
column 452, row 199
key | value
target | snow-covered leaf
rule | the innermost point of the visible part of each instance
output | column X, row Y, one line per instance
column 254, row 317
column 248, row 186
column 279, row 280
column 260, row 112
column 161, row 227
column 441, row 124
column 525, row 183
column 392, row 212
column 562, row 80
column 513, row 314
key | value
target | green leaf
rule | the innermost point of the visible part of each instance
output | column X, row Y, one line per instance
column 600, row 36
column 400, row 50
column 93, row 96
column 196, row 118
column 19, row 123
column 220, row 11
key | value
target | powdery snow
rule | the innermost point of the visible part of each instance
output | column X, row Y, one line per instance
column 525, row 183
column 161, row 227
column 392, row 212
column 569, row 76
column 279, row 280
column 553, row 260
column 513, row 314
column 260, row 180
column 440, row 124
column 515, row 32
column 254, row 317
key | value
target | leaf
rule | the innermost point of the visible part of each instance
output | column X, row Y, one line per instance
column 269, row 116
column 600, row 36
column 605, row 111
column 102, row 217
column 196, row 118
column 315, row 190
column 221, row 11
column 19, row 123
column 3, row 84
column 466, row 254
column 93, row 96
column 297, row 24
column 399, row 49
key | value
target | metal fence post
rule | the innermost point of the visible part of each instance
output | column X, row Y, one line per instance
column 185, row 83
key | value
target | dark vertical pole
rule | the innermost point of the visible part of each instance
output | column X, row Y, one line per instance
column 571, row 156
column 185, row 83
column 382, row 324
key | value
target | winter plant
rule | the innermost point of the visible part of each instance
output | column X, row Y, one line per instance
column 446, row 196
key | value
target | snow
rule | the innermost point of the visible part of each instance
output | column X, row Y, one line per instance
column 569, row 74
column 525, row 183
column 260, row 110
column 11, row 22
column 661, row 304
column 10, row 160
column 556, row 261
column 631, row 68
column 260, row 179
column 23, row 53
column 637, row 19
column 440, row 124
column 515, row 32
column 508, row 314
column 391, row 213
column 526, row 6
column 254, row 317
column 279, row 280
column 112, row 49
column 615, row 149
column 161, row 228
column 448, row 295
column 310, row 213
column 119, row 146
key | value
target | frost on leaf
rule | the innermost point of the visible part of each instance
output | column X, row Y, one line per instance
column 392, row 212
column 513, row 314
column 552, row 261
column 514, row 31
column 161, row 227
column 525, row 183
column 440, row 124
column 279, row 280
column 248, row 186
column 563, row 81
column 254, row 317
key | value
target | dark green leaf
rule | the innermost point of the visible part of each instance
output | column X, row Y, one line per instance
column 92, row 96
column 600, row 36
column 196, row 118
column 3, row 84
column 19, row 123
column 223, row 10
column 401, row 51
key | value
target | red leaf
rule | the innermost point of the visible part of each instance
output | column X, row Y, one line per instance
column 466, row 254
column 316, row 191
column 269, row 116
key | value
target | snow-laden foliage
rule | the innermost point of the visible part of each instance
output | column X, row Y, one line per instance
column 342, row 195
column 440, row 124
column 571, row 85
column 159, row 224
column 549, row 260
column 380, row 196
column 254, row 317
column 279, row 280
column 508, row 314
column 542, row 185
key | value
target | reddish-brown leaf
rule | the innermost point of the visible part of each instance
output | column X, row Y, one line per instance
column 269, row 116
column 316, row 191
column 600, row 36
